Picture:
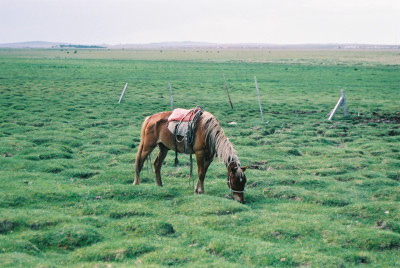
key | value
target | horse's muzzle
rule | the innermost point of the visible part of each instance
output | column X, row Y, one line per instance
column 239, row 197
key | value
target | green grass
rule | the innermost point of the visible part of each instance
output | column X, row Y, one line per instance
column 320, row 193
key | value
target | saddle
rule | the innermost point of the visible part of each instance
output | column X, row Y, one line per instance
column 180, row 119
column 183, row 115
column 182, row 123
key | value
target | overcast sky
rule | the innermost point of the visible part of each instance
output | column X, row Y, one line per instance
column 218, row 21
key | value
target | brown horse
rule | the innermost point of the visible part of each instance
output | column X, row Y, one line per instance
column 209, row 142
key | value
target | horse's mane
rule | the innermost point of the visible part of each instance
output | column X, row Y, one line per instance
column 218, row 143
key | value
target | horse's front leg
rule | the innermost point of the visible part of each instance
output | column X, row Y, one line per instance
column 159, row 161
column 202, row 167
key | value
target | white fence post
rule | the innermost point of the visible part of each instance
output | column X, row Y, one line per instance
column 227, row 91
column 123, row 93
column 259, row 100
column 345, row 112
column 341, row 101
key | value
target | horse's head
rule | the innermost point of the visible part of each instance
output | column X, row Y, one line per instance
column 236, row 180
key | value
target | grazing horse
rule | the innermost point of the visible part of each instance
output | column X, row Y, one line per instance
column 209, row 142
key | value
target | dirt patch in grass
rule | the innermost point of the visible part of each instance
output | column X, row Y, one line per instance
column 382, row 118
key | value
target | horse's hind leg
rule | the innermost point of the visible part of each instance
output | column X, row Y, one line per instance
column 159, row 161
column 141, row 156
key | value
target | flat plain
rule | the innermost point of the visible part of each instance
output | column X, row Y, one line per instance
column 320, row 193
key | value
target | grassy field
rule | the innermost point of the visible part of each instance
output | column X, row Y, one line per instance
column 320, row 193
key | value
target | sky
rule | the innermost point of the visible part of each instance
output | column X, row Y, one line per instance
column 116, row 22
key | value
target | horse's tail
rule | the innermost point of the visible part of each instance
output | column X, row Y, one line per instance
column 141, row 145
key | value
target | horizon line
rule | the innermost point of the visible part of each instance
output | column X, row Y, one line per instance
column 184, row 44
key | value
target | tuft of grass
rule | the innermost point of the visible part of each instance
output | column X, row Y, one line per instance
column 164, row 229
column 209, row 205
column 294, row 152
column 66, row 237
column 118, row 251
column 359, row 258
column 18, row 245
column 51, row 168
column 15, row 220
column 7, row 226
column 80, row 173
column 387, row 194
column 367, row 239
column 21, row 259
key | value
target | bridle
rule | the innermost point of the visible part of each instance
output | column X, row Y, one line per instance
column 234, row 191
column 230, row 185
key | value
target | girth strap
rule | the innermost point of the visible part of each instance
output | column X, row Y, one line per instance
column 188, row 139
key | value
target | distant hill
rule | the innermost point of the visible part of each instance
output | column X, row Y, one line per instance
column 166, row 45
column 42, row 44
column 196, row 45
column 32, row 44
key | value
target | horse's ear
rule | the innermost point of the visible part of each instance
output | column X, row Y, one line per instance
column 244, row 168
column 232, row 167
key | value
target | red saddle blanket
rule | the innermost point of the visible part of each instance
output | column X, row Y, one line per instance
column 183, row 115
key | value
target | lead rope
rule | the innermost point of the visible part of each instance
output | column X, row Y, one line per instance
column 191, row 172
